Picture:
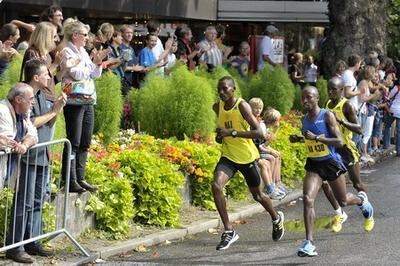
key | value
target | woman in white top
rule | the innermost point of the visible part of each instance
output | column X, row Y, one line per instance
column 369, row 94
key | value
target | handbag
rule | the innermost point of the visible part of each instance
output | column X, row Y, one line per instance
column 81, row 87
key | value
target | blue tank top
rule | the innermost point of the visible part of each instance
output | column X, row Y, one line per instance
column 318, row 151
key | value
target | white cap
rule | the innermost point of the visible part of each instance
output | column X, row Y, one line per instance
column 271, row 29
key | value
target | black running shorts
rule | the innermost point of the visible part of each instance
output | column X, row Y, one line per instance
column 249, row 171
column 328, row 170
column 347, row 156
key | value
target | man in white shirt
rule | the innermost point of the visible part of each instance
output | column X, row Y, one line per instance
column 266, row 51
column 159, row 52
column 351, row 91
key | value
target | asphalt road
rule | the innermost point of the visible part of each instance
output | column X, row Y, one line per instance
column 352, row 246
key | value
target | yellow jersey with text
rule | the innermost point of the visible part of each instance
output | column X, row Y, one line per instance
column 238, row 150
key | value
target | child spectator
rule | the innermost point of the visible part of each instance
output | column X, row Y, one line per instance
column 171, row 58
column 267, row 161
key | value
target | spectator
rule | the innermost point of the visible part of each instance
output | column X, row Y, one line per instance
column 42, row 42
column 393, row 101
column 78, row 84
column 212, row 55
column 186, row 52
column 117, row 64
column 266, row 52
column 146, row 56
column 34, row 169
column 104, row 35
column 296, row 70
column 310, row 71
column 351, row 90
column 226, row 50
column 54, row 15
column 129, row 55
column 242, row 61
column 171, row 59
column 15, row 123
column 266, row 166
column 9, row 35
column 367, row 109
column 340, row 68
column 160, row 54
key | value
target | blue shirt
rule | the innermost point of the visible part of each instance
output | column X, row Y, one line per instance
column 128, row 54
column 320, row 127
column 146, row 57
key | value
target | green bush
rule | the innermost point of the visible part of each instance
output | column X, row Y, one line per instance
column 113, row 203
column 109, row 106
column 241, row 84
column 155, row 184
column 10, row 75
column 6, row 203
column 176, row 106
column 322, row 86
column 213, row 78
column 297, row 105
column 293, row 154
column 274, row 87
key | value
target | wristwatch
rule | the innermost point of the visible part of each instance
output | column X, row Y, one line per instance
column 317, row 138
column 234, row 133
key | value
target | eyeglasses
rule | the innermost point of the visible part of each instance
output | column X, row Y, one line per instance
column 83, row 34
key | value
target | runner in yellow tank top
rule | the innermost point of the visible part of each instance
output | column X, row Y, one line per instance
column 348, row 123
column 236, row 128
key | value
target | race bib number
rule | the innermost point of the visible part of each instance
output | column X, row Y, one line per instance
column 316, row 149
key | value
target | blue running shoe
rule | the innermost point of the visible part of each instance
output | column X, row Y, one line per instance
column 367, row 211
column 307, row 249
column 366, row 207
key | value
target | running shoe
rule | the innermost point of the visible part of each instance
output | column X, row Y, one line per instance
column 227, row 239
column 367, row 211
column 338, row 220
column 276, row 194
column 307, row 249
column 278, row 229
column 284, row 188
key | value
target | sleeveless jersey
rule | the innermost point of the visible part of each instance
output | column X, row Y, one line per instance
column 238, row 150
column 346, row 134
column 318, row 151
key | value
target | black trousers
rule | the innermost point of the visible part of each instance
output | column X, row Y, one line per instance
column 79, row 122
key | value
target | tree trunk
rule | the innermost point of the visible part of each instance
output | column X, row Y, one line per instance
column 356, row 27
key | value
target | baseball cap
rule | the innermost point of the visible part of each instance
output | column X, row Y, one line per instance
column 271, row 29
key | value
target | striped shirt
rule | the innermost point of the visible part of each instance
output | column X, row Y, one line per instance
column 212, row 54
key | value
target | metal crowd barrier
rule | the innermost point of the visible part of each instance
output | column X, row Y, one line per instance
column 20, row 173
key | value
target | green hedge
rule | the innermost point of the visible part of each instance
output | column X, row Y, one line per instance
column 176, row 106
column 322, row 86
column 10, row 75
column 274, row 87
column 109, row 106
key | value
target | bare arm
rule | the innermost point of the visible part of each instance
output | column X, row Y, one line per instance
column 348, row 92
column 351, row 121
column 27, row 26
column 268, row 60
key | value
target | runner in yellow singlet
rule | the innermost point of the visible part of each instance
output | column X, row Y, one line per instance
column 237, row 126
column 346, row 117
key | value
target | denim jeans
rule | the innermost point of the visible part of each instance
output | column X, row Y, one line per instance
column 79, row 122
column 388, row 121
column 26, row 214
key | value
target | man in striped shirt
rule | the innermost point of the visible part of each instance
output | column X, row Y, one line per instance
column 211, row 55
